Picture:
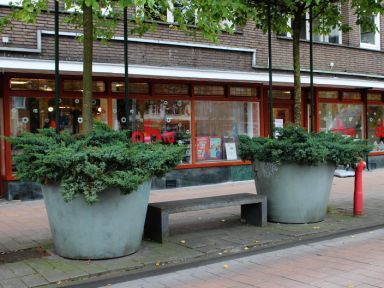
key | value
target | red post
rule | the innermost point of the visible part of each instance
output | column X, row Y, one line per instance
column 358, row 195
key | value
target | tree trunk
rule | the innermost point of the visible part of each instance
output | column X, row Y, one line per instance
column 296, row 30
column 87, row 69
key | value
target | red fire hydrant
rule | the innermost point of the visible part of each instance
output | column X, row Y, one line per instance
column 358, row 195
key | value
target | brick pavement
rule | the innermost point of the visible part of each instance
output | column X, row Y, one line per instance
column 350, row 261
column 194, row 235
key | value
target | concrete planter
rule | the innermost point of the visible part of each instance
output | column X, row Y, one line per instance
column 295, row 193
column 112, row 227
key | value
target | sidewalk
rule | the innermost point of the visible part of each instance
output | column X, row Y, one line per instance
column 27, row 258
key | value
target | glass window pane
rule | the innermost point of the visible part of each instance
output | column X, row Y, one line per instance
column 374, row 97
column 218, row 125
column 189, row 15
column 29, row 114
column 2, row 146
column 171, row 89
column 351, row 96
column 243, row 92
column 376, row 126
column 329, row 95
column 367, row 36
column 342, row 118
column 32, row 84
column 77, row 86
column 208, row 90
column 156, row 117
column 334, row 36
column 282, row 94
column 135, row 88
column 157, row 13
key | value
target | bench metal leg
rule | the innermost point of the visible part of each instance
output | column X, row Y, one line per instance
column 156, row 224
column 255, row 214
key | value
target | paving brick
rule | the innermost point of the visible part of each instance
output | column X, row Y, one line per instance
column 20, row 269
column 13, row 283
column 34, row 280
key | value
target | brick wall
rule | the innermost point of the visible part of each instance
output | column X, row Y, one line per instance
column 347, row 57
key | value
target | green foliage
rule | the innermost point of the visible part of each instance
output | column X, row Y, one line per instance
column 295, row 145
column 88, row 164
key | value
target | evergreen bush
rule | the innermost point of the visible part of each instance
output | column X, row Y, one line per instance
column 294, row 144
column 88, row 164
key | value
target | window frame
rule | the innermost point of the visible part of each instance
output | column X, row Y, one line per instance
column 377, row 45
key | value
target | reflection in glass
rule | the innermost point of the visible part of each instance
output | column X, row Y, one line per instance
column 158, row 116
column 77, row 86
column 32, row 84
column 376, row 126
column 329, row 95
column 346, row 119
column 218, row 125
column 29, row 114
column 243, row 91
column 135, row 88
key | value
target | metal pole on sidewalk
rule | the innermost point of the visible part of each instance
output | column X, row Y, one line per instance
column 311, row 69
column 126, row 104
column 270, row 71
column 57, row 80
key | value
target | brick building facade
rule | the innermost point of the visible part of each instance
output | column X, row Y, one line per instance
column 207, row 93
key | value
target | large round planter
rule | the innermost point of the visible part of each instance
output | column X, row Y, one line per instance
column 112, row 227
column 295, row 193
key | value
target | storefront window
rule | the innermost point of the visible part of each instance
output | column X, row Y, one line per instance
column 329, row 95
column 242, row 92
column 134, row 88
column 77, row 86
column 2, row 146
column 376, row 126
column 32, row 84
column 374, row 97
column 171, row 89
column 208, row 90
column 218, row 125
column 351, row 96
column 282, row 94
column 156, row 117
column 342, row 118
column 29, row 114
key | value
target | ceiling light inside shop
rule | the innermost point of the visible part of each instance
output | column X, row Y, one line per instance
column 50, row 109
column 17, row 82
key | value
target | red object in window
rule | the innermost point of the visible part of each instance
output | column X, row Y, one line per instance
column 53, row 124
column 379, row 131
column 341, row 128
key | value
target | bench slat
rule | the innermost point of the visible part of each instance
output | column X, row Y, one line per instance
column 208, row 202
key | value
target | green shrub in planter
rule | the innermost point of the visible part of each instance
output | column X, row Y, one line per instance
column 88, row 164
column 295, row 170
column 295, row 145
column 103, row 168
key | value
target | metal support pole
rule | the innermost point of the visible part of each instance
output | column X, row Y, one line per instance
column 270, row 72
column 127, row 110
column 311, row 69
column 57, row 55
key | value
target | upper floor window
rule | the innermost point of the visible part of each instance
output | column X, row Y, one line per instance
column 172, row 13
column 333, row 37
column 371, row 39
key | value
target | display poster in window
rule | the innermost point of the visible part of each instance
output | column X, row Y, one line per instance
column 230, row 151
column 215, row 150
column 279, row 123
column 202, row 144
column 227, row 139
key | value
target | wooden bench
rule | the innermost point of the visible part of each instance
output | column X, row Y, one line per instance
column 253, row 211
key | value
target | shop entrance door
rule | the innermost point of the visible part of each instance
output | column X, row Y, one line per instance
column 282, row 115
